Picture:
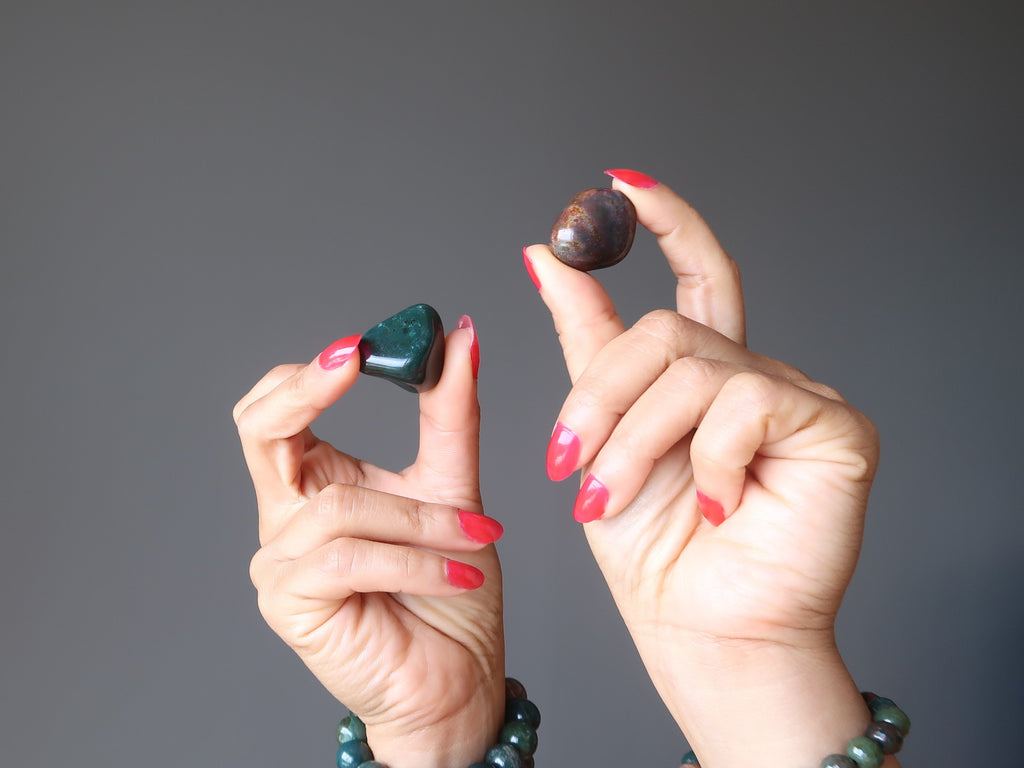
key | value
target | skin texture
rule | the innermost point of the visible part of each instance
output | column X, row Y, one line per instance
column 353, row 569
column 730, row 595
column 732, row 610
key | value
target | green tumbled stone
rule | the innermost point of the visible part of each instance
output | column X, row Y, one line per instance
column 503, row 756
column 838, row 761
column 689, row 759
column 407, row 348
column 514, row 689
column 522, row 711
column 521, row 736
column 353, row 753
column 865, row 752
column 894, row 715
column 351, row 728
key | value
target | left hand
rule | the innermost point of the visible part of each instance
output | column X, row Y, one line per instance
column 355, row 568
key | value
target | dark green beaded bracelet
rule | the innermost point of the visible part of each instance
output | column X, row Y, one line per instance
column 516, row 743
column 883, row 737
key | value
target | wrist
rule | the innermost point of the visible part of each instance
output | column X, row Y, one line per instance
column 457, row 741
column 796, row 703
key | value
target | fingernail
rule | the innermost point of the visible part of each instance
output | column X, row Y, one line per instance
column 711, row 509
column 480, row 528
column 633, row 178
column 474, row 345
column 462, row 575
column 529, row 269
column 338, row 353
column 563, row 453
column 591, row 501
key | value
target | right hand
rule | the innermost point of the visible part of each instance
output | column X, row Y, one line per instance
column 385, row 584
column 733, row 611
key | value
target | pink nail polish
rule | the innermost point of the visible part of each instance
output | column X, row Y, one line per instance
column 338, row 353
column 462, row 575
column 633, row 178
column 474, row 345
column 711, row 509
column 529, row 269
column 563, row 453
column 591, row 501
column 480, row 528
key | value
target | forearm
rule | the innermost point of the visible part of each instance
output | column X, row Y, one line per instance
column 745, row 702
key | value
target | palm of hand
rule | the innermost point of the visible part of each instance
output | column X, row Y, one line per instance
column 408, row 660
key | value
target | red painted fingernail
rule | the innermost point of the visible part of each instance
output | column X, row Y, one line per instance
column 633, row 178
column 338, row 353
column 563, row 453
column 711, row 509
column 529, row 269
column 462, row 575
column 480, row 528
column 591, row 501
column 474, row 345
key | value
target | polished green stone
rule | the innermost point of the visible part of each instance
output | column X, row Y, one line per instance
column 689, row 759
column 521, row 736
column 895, row 715
column 353, row 753
column 407, row 348
column 503, row 756
column 351, row 728
column 522, row 711
column 838, row 761
column 864, row 752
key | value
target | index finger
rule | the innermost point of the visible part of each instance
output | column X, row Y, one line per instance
column 273, row 421
column 708, row 287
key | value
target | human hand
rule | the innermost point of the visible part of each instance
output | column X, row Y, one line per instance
column 385, row 584
column 723, row 494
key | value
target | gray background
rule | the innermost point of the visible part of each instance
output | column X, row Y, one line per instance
column 193, row 192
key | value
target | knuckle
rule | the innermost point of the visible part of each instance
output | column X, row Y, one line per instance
column 692, row 372
column 751, row 386
column 340, row 557
column 663, row 324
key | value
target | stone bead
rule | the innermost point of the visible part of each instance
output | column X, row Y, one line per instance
column 894, row 715
column 865, row 752
column 838, row 761
column 519, row 735
column 352, row 754
column 522, row 711
column 372, row 764
column 595, row 230
column 528, row 761
column 887, row 736
column 514, row 689
column 351, row 728
column 875, row 702
column 503, row 756
column 407, row 348
column 689, row 759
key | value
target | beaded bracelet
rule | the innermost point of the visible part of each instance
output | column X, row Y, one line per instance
column 517, row 740
column 883, row 737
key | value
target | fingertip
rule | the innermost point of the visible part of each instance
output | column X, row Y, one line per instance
column 632, row 178
column 591, row 502
column 712, row 510
column 462, row 575
column 466, row 323
column 340, row 352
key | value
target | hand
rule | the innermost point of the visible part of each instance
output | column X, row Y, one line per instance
column 723, row 494
column 374, row 577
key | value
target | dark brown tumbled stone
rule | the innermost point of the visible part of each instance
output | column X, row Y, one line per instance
column 595, row 230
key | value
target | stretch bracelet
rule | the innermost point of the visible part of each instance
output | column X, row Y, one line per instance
column 884, row 736
column 517, row 740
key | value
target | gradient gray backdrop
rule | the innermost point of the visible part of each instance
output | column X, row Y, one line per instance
column 192, row 192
